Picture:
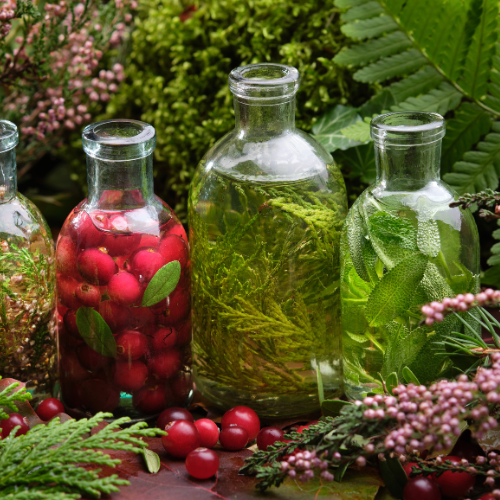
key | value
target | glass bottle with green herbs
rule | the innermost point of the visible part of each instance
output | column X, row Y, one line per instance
column 27, row 330
column 403, row 246
column 267, row 206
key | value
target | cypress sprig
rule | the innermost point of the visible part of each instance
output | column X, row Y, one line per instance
column 9, row 396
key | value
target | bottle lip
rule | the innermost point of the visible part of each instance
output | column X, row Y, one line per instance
column 264, row 82
column 403, row 128
column 119, row 139
column 9, row 136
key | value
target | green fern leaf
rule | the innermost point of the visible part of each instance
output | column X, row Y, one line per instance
column 345, row 4
column 478, row 61
column 440, row 100
column 416, row 20
column 359, row 131
column 372, row 50
column 389, row 67
column 393, row 6
column 369, row 28
column 479, row 169
column 493, row 100
column 365, row 11
column 462, row 132
column 361, row 161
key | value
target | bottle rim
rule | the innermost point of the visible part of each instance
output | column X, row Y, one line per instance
column 9, row 135
column 407, row 128
column 119, row 139
column 264, row 82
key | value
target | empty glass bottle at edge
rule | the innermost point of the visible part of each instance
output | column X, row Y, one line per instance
column 27, row 279
column 123, row 284
column 266, row 210
column 402, row 246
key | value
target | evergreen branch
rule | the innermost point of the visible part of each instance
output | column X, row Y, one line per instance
column 9, row 396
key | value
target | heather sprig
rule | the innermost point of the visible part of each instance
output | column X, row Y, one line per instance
column 487, row 198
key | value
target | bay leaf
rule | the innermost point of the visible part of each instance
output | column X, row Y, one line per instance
column 162, row 284
column 95, row 331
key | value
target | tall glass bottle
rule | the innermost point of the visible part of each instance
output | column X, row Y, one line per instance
column 123, row 284
column 266, row 209
column 27, row 279
column 402, row 246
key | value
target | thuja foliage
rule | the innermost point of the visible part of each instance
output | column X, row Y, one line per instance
column 180, row 58
column 11, row 395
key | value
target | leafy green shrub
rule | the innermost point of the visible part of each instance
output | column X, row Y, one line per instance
column 177, row 72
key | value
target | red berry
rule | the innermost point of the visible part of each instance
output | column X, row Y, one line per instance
column 180, row 389
column 83, row 231
column 488, row 496
column 141, row 316
column 88, row 295
column 184, row 334
column 145, row 263
column 97, row 395
column 131, row 345
column 202, row 463
column 409, row 467
column 69, row 321
column 66, row 257
column 7, row 424
column 242, row 416
column 420, row 488
column 66, row 287
column 124, row 288
column 178, row 229
column 149, row 241
column 120, row 244
column 174, row 248
column 90, row 359
column 172, row 414
column 96, row 266
column 49, row 408
column 165, row 364
column 130, row 377
column 115, row 315
column 175, row 307
column 181, row 439
column 301, row 429
column 268, row 436
column 70, row 368
column 209, row 432
column 233, row 438
column 149, row 399
column 455, row 484
column 164, row 338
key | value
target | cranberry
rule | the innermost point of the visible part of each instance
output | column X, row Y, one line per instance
column 96, row 266
column 49, row 408
column 421, row 487
column 66, row 287
column 172, row 414
column 124, row 289
column 120, row 244
column 181, row 439
column 178, row 230
column 115, row 315
column 245, row 417
column 180, row 389
column 97, row 395
column 141, row 316
column 409, row 467
column 7, row 424
column 268, row 436
column 149, row 241
column 66, row 257
column 209, row 432
column 164, row 338
column 184, row 334
column 202, row 463
column 145, row 263
column 174, row 248
column 179, row 303
column 130, row 377
column 165, row 364
column 90, row 359
column 83, row 231
column 131, row 345
column 455, row 484
column 71, row 369
column 149, row 399
column 301, row 429
column 88, row 295
column 69, row 321
column 233, row 438
column 488, row 496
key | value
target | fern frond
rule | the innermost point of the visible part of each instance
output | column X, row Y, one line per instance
column 400, row 64
column 394, row 6
column 463, row 131
column 479, row 169
column 424, row 80
column 478, row 61
column 359, row 131
column 493, row 99
column 369, row 28
column 360, row 12
column 492, row 275
column 372, row 50
column 416, row 19
column 345, row 4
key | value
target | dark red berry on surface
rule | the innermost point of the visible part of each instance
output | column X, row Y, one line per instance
column 420, row 488
column 184, row 333
column 49, row 408
column 174, row 248
column 83, row 231
column 165, row 364
column 408, row 467
column 141, row 316
column 88, row 295
column 69, row 321
column 116, row 316
column 66, row 287
column 97, row 395
column 124, row 289
column 209, row 432
column 172, row 414
column 245, row 417
column 7, row 424
column 145, row 263
column 130, row 377
column 90, row 359
column 149, row 399
column 202, row 463
column 71, row 369
column 268, row 436
column 301, row 429
column 181, row 439
column 66, row 254
column 96, row 266
column 164, row 338
column 233, row 438
column 131, row 345
column 455, row 484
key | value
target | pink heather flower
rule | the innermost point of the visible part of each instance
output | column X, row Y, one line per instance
column 361, row 461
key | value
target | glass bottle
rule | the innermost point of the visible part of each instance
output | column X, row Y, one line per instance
column 402, row 246
column 124, row 344
column 27, row 331
column 266, row 209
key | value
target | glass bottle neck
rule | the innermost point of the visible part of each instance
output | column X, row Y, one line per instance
column 120, row 184
column 8, row 175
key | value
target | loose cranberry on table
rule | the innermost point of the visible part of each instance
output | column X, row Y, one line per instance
column 268, row 436
column 421, row 488
column 209, row 432
column 455, row 484
column 171, row 415
column 181, row 439
column 233, row 438
column 49, row 408
column 202, row 463
column 242, row 416
column 7, row 424
column 301, row 429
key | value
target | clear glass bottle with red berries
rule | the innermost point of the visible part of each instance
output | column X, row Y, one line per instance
column 123, row 284
column 27, row 279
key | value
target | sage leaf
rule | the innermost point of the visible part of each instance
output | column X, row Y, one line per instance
column 152, row 460
column 356, row 240
column 428, row 240
column 392, row 294
column 162, row 284
column 392, row 230
column 391, row 382
column 409, row 376
column 95, row 331
column 333, row 407
column 394, row 476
